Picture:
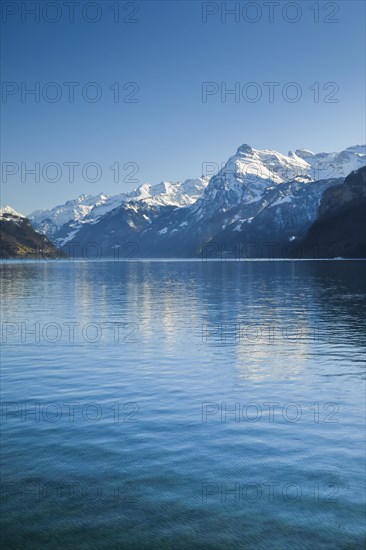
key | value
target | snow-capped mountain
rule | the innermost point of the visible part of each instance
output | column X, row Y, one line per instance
column 9, row 212
column 281, row 214
column 245, row 177
column 333, row 165
column 50, row 221
column 250, row 171
column 257, row 196
column 170, row 194
column 62, row 222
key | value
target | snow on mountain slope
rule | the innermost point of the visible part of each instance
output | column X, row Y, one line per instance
column 50, row 221
column 62, row 222
column 249, row 172
column 245, row 177
column 333, row 165
column 172, row 194
column 7, row 211
column 283, row 213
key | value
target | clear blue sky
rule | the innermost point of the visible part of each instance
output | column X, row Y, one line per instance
column 169, row 52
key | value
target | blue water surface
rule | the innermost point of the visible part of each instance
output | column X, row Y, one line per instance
column 183, row 404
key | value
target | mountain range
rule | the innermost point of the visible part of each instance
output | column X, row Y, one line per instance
column 261, row 203
column 62, row 222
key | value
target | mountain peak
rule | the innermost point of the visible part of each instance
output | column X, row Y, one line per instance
column 304, row 153
column 9, row 210
column 244, row 149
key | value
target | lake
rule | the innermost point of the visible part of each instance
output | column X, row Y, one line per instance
column 183, row 404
